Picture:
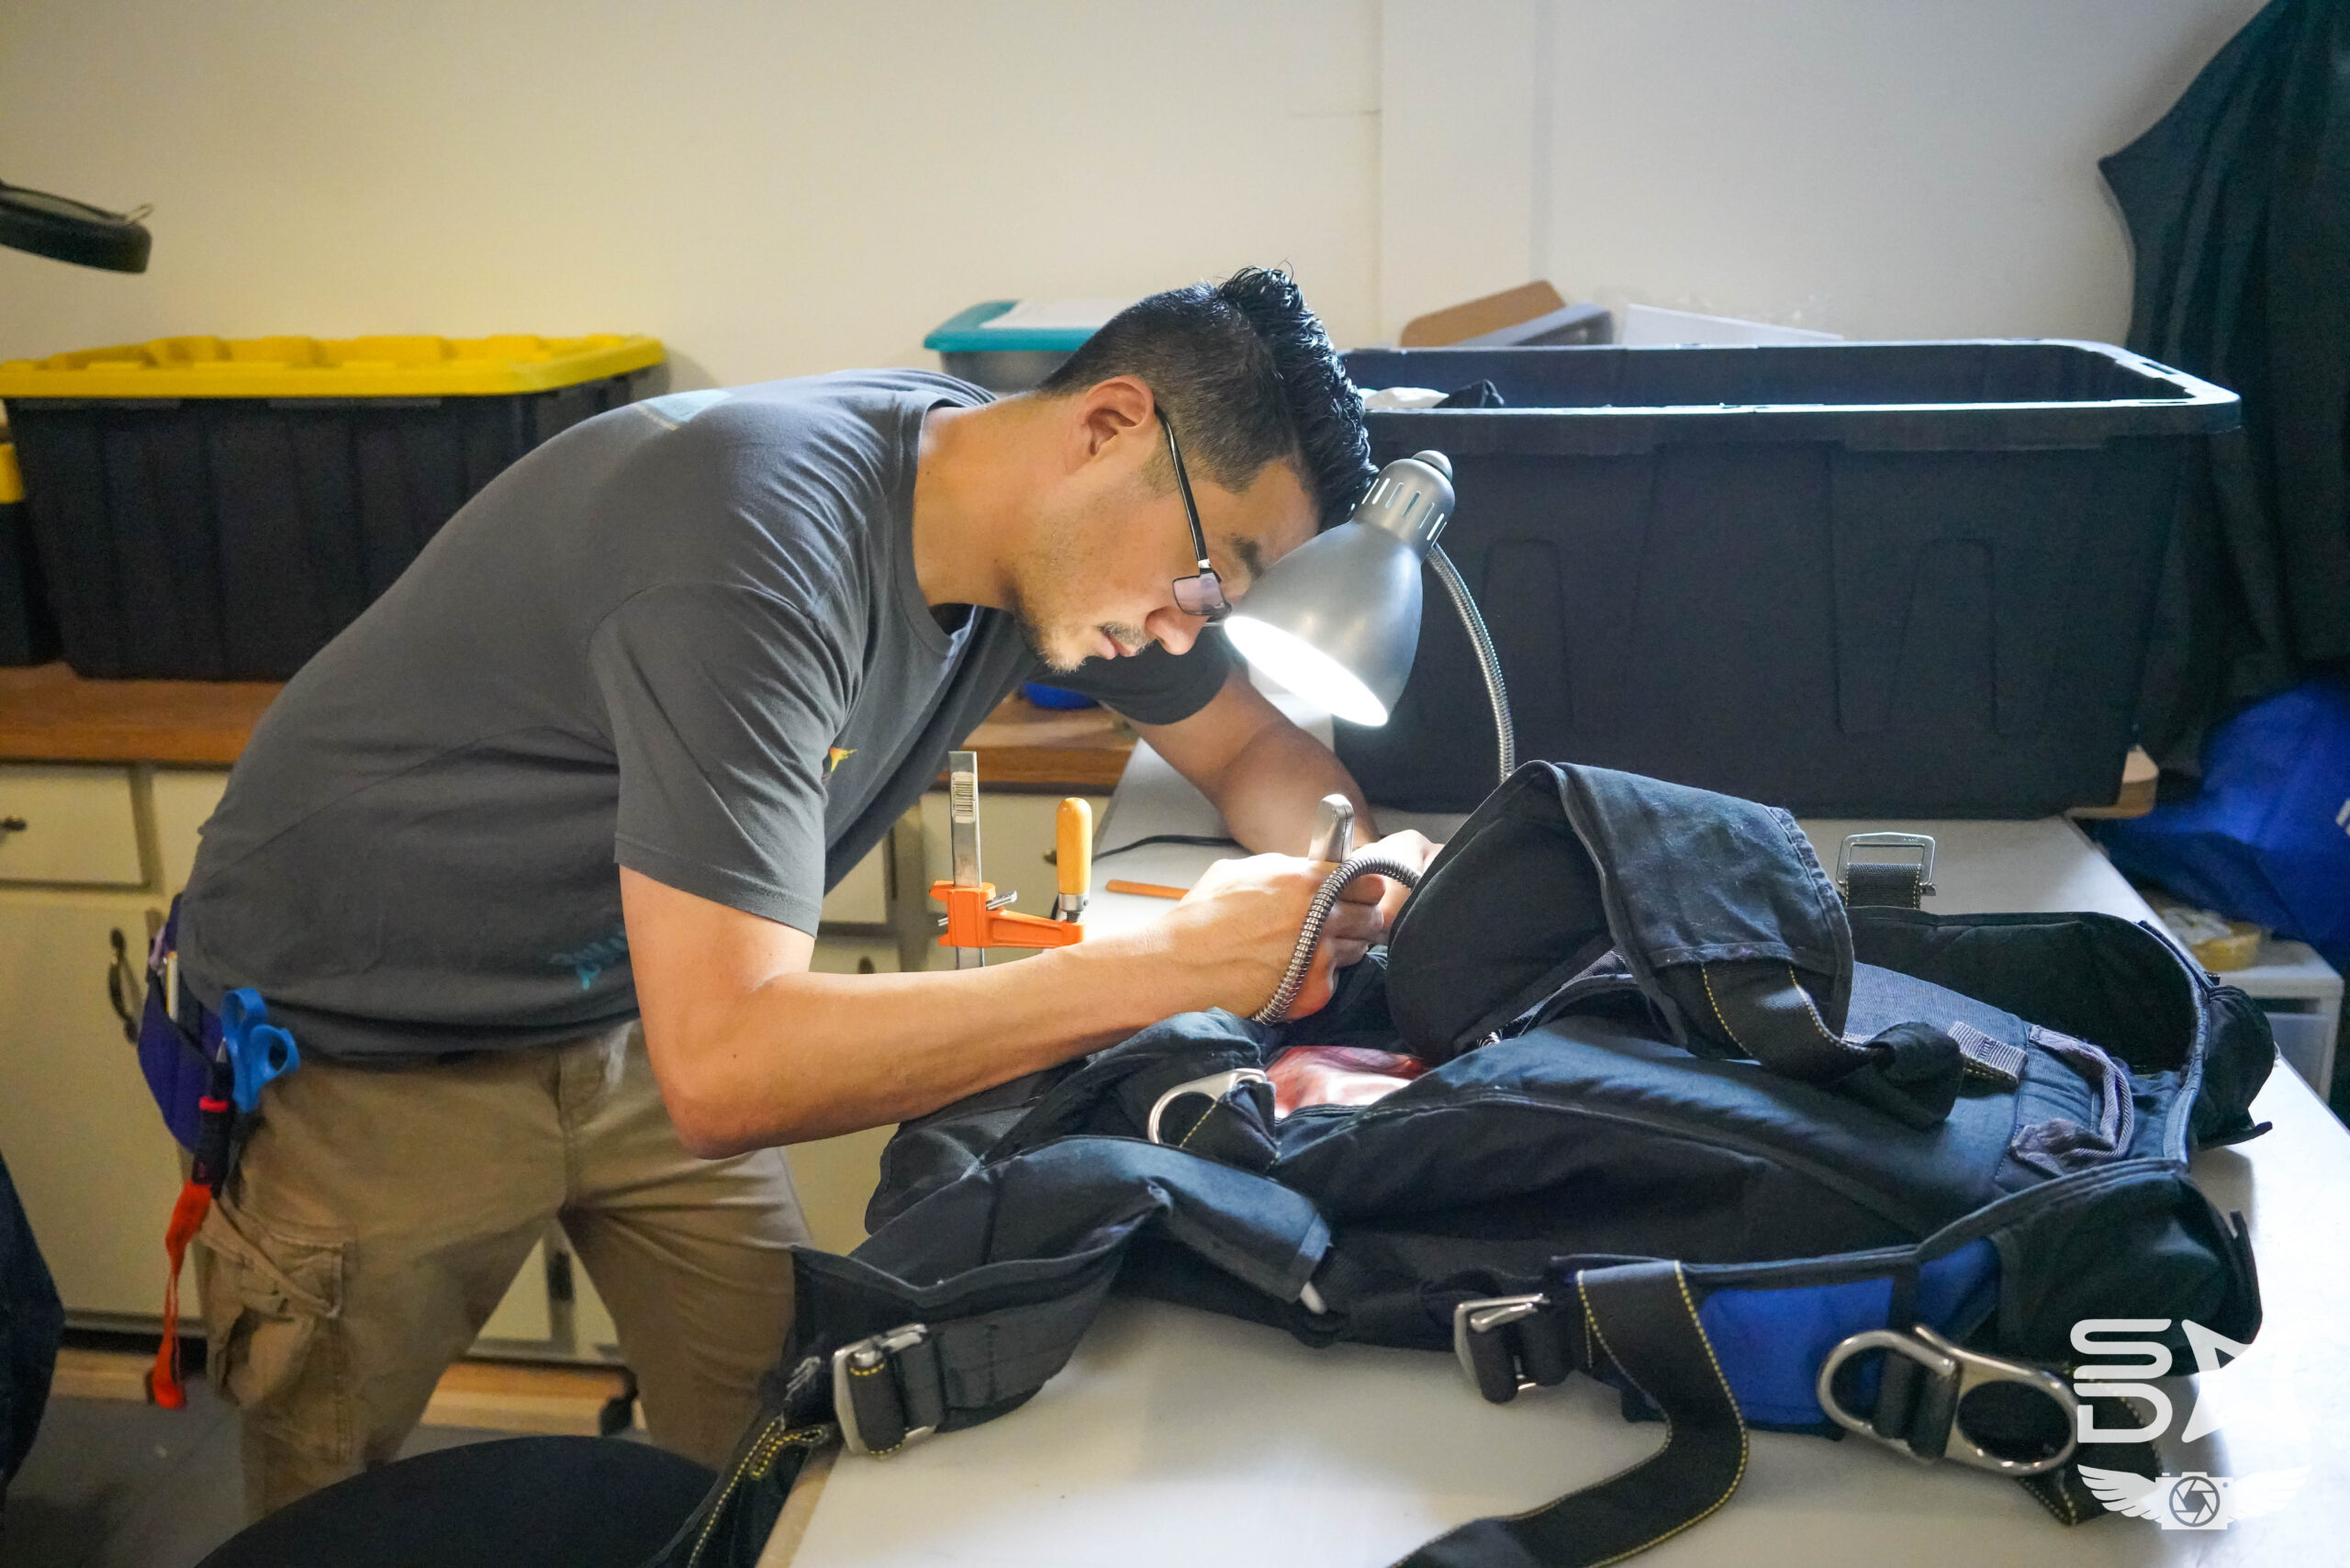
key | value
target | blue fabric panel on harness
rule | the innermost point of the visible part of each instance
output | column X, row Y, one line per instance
column 1771, row 1342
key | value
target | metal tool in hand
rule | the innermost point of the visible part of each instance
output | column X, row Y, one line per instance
column 976, row 917
column 1334, row 829
column 1333, row 841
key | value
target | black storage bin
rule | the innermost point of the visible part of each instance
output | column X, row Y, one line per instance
column 1867, row 579
column 214, row 537
column 27, row 631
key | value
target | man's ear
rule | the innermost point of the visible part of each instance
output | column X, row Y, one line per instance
column 1108, row 416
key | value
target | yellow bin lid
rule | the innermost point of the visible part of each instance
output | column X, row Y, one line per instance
column 12, row 481
column 330, row 367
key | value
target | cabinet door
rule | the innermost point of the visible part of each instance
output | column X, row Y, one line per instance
column 184, row 798
column 68, row 825
column 94, row 1166
column 862, row 897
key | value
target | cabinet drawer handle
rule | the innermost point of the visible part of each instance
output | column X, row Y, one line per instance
column 13, row 825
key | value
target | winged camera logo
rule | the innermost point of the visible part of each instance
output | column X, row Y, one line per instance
column 2192, row 1499
column 2187, row 1499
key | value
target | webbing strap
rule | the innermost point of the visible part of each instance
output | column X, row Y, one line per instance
column 1894, row 884
column 1644, row 1321
column 1765, row 1011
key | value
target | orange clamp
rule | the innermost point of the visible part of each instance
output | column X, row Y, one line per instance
column 971, row 923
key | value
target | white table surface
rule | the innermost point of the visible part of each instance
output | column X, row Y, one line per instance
column 1175, row 1437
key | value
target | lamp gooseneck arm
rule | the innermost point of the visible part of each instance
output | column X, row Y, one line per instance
column 1488, row 662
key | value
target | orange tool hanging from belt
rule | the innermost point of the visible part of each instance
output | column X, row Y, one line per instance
column 975, row 919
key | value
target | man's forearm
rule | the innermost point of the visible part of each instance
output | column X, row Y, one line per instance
column 750, row 1048
column 808, row 1056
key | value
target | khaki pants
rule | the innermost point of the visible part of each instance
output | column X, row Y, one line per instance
column 378, row 1216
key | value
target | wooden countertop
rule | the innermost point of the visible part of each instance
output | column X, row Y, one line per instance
column 1045, row 750
column 50, row 714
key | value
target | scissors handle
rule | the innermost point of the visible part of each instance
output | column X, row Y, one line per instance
column 259, row 1051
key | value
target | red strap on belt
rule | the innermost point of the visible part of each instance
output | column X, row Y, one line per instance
column 163, row 1381
column 187, row 1215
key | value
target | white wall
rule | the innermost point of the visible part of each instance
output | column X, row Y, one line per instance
column 775, row 187
column 771, row 188
column 1877, row 168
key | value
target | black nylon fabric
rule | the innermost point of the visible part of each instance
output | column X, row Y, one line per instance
column 1575, row 1132
column 1564, row 862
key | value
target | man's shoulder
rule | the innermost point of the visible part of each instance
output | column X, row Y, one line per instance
column 806, row 406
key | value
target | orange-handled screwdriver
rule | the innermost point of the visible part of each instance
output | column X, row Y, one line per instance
column 1073, row 858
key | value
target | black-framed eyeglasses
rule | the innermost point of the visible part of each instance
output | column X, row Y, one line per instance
column 1202, row 593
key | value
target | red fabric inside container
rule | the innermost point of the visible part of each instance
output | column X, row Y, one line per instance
column 1337, row 1075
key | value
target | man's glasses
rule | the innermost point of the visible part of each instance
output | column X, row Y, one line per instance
column 1202, row 594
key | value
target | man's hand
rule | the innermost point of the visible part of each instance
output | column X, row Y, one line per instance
column 1367, row 905
column 1236, row 927
column 1240, row 923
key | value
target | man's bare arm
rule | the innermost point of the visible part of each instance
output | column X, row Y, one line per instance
column 1263, row 772
column 750, row 1048
column 1268, row 777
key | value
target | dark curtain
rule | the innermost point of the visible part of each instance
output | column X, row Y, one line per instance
column 2238, row 204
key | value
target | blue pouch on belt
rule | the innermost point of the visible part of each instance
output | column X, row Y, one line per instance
column 181, row 1043
column 177, row 1039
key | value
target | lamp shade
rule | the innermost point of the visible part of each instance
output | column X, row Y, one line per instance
column 68, row 230
column 1338, row 620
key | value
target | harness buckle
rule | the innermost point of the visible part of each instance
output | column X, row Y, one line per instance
column 1957, row 1371
column 1922, row 843
column 868, row 1371
column 1215, row 1086
column 1507, row 1344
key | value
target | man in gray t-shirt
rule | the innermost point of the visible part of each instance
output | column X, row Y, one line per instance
column 596, row 758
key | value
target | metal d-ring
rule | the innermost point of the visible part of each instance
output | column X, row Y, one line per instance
column 1970, row 1370
column 1215, row 1086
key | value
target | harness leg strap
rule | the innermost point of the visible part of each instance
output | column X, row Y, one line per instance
column 1644, row 1321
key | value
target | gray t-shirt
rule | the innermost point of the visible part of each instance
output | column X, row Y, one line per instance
column 685, row 637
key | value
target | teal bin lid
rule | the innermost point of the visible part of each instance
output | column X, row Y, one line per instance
column 965, row 332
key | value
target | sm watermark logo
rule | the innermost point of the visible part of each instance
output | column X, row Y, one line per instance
column 2191, row 1499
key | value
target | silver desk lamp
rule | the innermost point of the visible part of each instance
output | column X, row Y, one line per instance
column 69, row 231
column 1338, row 620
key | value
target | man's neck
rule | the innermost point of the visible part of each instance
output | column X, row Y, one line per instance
column 968, row 478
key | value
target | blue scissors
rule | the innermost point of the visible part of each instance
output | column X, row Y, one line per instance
column 259, row 1051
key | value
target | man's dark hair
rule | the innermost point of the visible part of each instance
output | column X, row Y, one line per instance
column 1249, row 377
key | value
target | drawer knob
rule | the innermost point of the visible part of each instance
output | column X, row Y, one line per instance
column 13, row 825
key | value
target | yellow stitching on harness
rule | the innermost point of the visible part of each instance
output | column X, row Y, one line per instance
column 1189, row 1132
column 1812, row 1012
column 1591, row 1326
column 1716, row 1004
column 2040, row 1487
column 874, row 1371
column 1743, row 1448
column 766, row 1438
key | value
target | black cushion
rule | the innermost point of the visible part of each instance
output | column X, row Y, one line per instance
column 516, row 1503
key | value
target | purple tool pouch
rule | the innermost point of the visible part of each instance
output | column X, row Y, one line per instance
column 176, row 1057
